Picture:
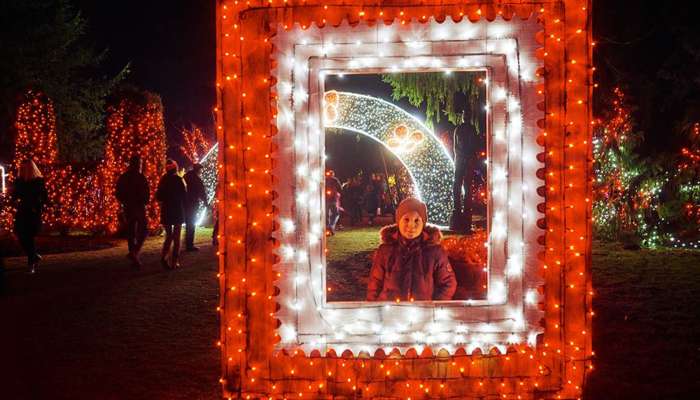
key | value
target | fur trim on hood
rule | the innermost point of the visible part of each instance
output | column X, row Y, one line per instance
column 390, row 234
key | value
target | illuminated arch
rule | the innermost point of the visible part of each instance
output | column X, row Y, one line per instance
column 428, row 163
column 209, row 177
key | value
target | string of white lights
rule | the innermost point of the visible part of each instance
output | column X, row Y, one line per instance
column 510, row 315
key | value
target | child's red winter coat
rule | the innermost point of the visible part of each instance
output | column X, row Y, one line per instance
column 415, row 269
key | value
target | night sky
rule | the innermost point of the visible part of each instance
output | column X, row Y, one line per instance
column 171, row 47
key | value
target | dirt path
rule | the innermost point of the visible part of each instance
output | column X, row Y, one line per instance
column 89, row 327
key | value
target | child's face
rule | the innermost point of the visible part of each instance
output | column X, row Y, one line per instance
column 411, row 225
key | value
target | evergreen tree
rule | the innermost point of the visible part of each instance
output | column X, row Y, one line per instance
column 42, row 48
column 681, row 208
column 436, row 91
column 626, row 189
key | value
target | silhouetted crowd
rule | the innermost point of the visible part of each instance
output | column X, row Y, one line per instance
column 180, row 198
column 361, row 195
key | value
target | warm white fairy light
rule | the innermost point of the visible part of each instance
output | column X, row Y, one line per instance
column 296, row 305
column 287, row 252
column 514, row 267
column 300, row 279
column 497, row 292
column 530, row 297
column 499, row 93
column 287, row 225
column 3, row 180
column 435, row 327
column 287, row 333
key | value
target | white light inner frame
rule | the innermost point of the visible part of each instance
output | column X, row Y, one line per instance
column 510, row 314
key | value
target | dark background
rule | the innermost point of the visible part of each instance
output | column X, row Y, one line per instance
column 651, row 48
column 171, row 48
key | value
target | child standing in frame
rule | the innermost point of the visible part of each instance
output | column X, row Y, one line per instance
column 410, row 264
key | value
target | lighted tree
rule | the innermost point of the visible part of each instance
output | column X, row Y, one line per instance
column 195, row 144
column 436, row 93
column 626, row 190
column 135, row 125
column 682, row 209
column 35, row 128
column 35, row 139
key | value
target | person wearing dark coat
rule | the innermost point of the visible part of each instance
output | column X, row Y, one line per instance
column 196, row 194
column 352, row 197
column 410, row 264
column 30, row 196
column 333, row 193
column 171, row 194
column 133, row 193
column 373, row 198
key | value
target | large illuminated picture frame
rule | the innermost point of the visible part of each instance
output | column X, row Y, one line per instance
column 279, row 337
column 510, row 314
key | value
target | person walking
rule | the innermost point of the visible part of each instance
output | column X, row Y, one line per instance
column 171, row 194
column 30, row 196
column 133, row 193
column 195, row 194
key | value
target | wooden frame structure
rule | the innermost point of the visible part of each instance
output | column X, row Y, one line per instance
column 252, row 272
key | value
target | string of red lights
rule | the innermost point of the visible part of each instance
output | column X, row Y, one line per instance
column 83, row 197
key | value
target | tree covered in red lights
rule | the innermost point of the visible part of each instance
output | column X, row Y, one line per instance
column 82, row 196
column 35, row 127
column 135, row 125
column 195, row 144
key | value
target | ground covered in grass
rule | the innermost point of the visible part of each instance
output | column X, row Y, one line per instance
column 349, row 260
column 89, row 327
column 646, row 333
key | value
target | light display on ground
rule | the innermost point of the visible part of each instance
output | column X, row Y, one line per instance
column 429, row 164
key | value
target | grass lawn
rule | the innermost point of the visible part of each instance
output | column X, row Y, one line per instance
column 646, row 333
column 349, row 261
column 89, row 327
